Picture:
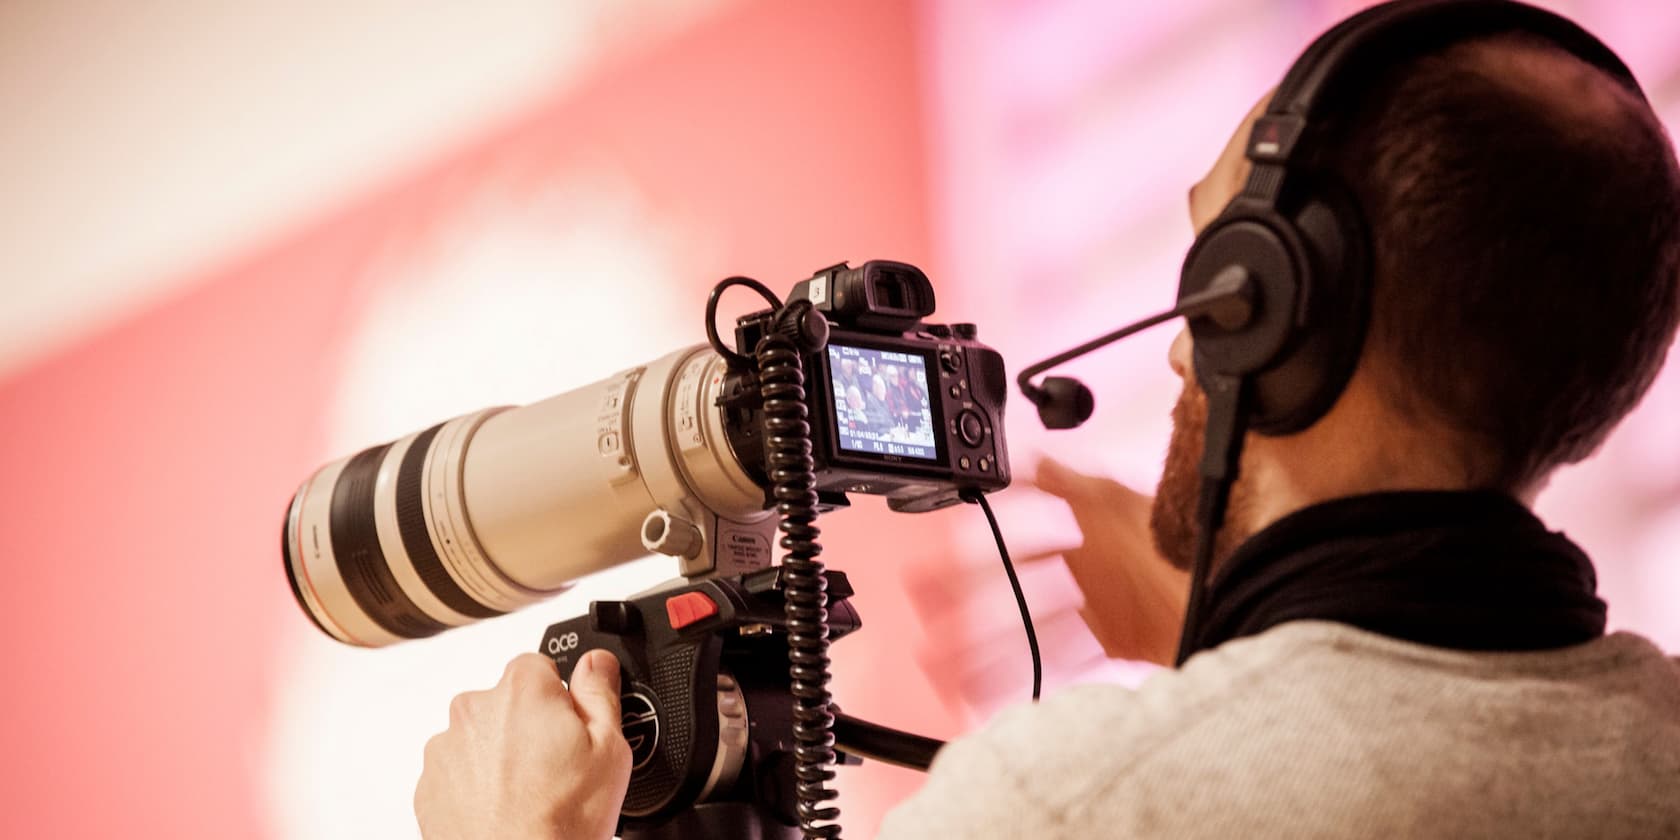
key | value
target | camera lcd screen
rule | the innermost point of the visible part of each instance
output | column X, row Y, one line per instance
column 881, row 402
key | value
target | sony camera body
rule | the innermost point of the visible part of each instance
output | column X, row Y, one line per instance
column 899, row 408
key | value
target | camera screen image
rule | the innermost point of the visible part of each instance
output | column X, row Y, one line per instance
column 881, row 402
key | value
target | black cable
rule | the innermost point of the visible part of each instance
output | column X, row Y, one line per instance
column 884, row 744
column 1210, row 514
column 1222, row 444
column 976, row 497
column 735, row 360
column 793, row 480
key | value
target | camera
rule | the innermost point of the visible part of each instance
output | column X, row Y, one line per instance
column 489, row 512
column 902, row 409
column 710, row 455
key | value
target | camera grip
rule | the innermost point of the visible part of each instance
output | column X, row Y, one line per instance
column 668, row 703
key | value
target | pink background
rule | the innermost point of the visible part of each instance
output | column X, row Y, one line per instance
column 1032, row 157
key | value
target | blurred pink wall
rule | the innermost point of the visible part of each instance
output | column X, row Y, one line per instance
column 151, row 465
column 1031, row 156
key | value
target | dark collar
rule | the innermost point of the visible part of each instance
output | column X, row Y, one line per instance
column 1465, row 570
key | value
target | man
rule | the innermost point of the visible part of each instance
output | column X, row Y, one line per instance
column 879, row 414
column 902, row 399
column 848, row 377
column 1399, row 648
column 856, row 408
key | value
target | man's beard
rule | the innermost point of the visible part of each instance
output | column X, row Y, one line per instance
column 1173, row 520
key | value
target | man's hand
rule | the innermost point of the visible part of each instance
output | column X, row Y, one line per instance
column 1134, row 599
column 529, row 758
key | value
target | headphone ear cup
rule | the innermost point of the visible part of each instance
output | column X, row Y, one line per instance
column 1313, row 370
column 1258, row 241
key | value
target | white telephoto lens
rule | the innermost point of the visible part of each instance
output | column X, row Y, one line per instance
column 486, row 513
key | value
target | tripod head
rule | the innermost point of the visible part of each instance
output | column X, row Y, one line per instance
column 705, row 692
column 706, row 705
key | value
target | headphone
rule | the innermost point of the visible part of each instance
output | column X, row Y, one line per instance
column 1277, row 289
column 1299, row 237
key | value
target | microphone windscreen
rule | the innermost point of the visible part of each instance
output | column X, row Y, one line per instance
column 1065, row 402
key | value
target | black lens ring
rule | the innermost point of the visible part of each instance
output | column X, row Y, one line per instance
column 416, row 537
column 361, row 562
column 291, row 573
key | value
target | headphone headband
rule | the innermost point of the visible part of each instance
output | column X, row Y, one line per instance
column 1299, row 235
column 1381, row 34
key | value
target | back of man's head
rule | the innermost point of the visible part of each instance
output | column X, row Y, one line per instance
column 1524, row 211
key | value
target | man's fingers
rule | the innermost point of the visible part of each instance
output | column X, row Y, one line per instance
column 460, row 708
column 1071, row 484
column 595, row 689
column 1029, row 558
column 1089, row 495
column 1058, row 479
column 531, row 669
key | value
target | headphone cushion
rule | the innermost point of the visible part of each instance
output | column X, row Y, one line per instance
column 1311, row 305
column 1253, row 241
column 1308, row 377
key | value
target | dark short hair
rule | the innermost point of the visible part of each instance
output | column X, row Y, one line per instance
column 1526, row 253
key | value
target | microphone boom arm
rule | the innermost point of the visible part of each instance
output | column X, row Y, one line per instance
column 1228, row 300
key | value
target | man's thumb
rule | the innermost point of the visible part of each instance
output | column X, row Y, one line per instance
column 595, row 688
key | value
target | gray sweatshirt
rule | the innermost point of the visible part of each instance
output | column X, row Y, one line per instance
column 1315, row 729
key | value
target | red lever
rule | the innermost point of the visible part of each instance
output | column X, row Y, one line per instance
column 689, row 607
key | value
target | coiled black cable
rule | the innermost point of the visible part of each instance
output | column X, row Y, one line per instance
column 793, row 480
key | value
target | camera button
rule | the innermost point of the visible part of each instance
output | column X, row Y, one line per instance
column 964, row 463
column 970, row 428
column 619, row 618
column 985, row 465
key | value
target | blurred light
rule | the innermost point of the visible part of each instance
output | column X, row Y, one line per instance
column 147, row 143
column 522, row 291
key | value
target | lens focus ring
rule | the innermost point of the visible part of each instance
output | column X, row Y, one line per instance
column 361, row 562
column 416, row 537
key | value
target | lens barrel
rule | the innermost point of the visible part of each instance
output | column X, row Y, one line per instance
column 483, row 514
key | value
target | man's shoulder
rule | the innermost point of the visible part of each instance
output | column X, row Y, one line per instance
column 1098, row 717
column 1306, row 713
column 1089, row 736
column 1039, row 769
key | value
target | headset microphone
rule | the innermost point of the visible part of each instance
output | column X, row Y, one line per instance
column 1065, row 403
